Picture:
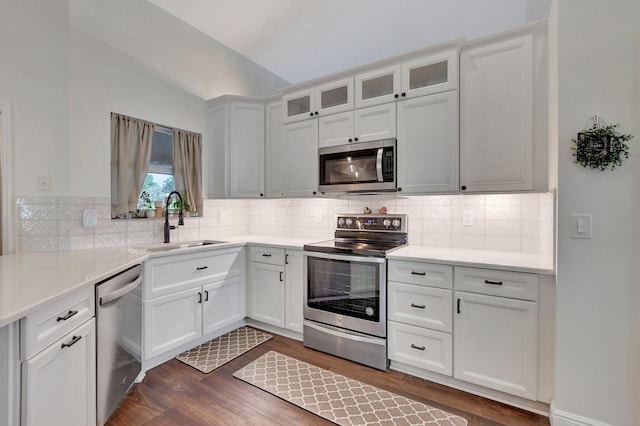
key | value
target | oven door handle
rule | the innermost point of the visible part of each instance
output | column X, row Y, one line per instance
column 347, row 257
column 345, row 334
column 379, row 164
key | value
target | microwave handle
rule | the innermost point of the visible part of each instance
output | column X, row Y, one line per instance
column 379, row 164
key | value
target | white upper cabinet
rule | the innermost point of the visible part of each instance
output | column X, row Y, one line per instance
column 329, row 98
column 428, row 144
column 502, row 114
column 361, row 125
column 432, row 72
column 275, row 149
column 301, row 159
column 378, row 86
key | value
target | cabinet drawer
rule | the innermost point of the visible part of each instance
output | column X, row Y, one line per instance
column 169, row 274
column 420, row 347
column 270, row 255
column 49, row 324
column 421, row 306
column 429, row 274
column 516, row 285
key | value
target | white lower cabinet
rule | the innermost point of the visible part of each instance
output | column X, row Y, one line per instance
column 419, row 312
column 204, row 292
column 275, row 294
column 495, row 336
column 59, row 383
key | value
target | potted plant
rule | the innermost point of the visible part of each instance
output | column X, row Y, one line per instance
column 145, row 205
column 175, row 206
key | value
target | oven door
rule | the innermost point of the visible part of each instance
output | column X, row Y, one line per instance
column 346, row 291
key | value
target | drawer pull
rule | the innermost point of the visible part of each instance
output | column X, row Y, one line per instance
column 493, row 282
column 66, row 317
column 73, row 341
column 420, row 348
column 413, row 305
column 422, row 274
column 266, row 254
column 201, row 268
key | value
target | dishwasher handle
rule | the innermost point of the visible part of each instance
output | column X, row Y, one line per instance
column 110, row 297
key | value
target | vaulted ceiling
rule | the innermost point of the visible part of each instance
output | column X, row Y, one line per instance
column 303, row 39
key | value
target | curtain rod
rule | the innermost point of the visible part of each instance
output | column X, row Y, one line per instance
column 157, row 124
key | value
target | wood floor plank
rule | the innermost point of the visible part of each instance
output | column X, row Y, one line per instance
column 176, row 394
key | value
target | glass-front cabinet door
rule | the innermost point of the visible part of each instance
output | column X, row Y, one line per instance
column 430, row 74
column 299, row 105
column 336, row 96
column 378, row 86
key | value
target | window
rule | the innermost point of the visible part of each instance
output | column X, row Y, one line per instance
column 149, row 161
column 160, row 180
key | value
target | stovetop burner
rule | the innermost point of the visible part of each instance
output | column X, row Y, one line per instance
column 365, row 235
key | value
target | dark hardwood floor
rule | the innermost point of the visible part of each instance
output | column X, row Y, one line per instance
column 176, row 394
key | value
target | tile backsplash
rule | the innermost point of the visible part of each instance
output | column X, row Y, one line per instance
column 513, row 222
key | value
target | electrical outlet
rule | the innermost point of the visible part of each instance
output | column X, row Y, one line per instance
column 89, row 217
column 467, row 218
column 318, row 217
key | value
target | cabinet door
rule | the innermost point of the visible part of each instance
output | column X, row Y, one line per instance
column 293, row 290
column 223, row 304
column 267, row 293
column 336, row 129
column 496, row 113
column 428, row 144
column 246, row 150
column 275, row 150
column 496, row 343
column 334, row 97
column 378, row 86
column 171, row 320
column 218, row 155
column 375, row 123
column 299, row 105
column 430, row 74
column 301, row 159
column 59, row 383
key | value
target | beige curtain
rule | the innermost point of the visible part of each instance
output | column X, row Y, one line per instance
column 187, row 166
column 130, row 155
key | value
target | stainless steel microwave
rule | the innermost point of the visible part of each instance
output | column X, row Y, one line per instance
column 360, row 167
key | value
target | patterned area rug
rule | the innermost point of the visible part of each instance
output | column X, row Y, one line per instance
column 211, row 355
column 337, row 398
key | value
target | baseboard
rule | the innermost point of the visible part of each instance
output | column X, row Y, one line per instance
column 564, row 418
column 273, row 329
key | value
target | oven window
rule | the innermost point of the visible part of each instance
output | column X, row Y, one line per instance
column 344, row 287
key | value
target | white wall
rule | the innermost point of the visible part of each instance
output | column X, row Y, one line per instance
column 34, row 77
column 597, row 363
column 103, row 81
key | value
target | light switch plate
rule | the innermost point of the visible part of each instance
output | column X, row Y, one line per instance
column 467, row 218
column 89, row 217
column 581, row 226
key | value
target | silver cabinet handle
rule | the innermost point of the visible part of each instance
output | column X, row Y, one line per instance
column 413, row 305
column 420, row 348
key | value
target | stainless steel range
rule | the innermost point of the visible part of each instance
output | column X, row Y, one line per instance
column 345, row 289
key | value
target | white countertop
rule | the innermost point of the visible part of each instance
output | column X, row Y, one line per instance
column 29, row 281
column 522, row 262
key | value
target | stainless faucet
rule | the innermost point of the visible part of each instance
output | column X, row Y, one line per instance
column 166, row 216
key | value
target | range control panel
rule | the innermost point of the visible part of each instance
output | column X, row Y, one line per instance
column 372, row 222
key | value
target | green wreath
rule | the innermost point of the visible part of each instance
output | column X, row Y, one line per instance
column 601, row 147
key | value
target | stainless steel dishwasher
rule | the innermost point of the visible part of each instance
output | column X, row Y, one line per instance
column 119, row 338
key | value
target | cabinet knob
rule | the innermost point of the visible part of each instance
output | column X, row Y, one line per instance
column 350, row 139
column 463, row 187
column 262, row 195
column 355, row 139
column 404, row 94
column 311, row 114
column 314, row 192
column 399, row 189
column 316, row 113
column 396, row 96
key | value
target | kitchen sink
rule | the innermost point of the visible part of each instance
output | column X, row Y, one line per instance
column 178, row 245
